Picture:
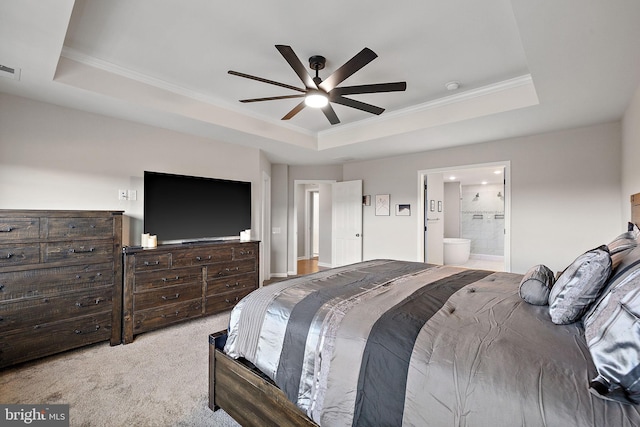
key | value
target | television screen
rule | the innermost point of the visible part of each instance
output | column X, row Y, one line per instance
column 179, row 208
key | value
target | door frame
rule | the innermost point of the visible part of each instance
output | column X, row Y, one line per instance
column 294, row 220
column 507, row 204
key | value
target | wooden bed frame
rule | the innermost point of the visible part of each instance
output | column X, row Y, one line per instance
column 247, row 395
column 251, row 398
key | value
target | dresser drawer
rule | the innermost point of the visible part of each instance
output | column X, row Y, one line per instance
column 20, row 313
column 168, row 295
column 44, row 282
column 151, row 261
column 163, row 278
column 223, row 302
column 155, row 318
column 232, row 283
column 69, row 228
column 20, row 345
column 19, row 254
column 78, row 251
column 19, row 228
column 245, row 251
column 201, row 256
column 230, row 268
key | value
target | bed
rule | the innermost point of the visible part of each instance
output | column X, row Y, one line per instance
column 390, row 343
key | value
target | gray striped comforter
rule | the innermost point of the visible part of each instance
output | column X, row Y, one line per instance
column 390, row 343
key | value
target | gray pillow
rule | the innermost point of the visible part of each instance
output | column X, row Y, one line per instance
column 622, row 281
column 621, row 246
column 579, row 286
column 536, row 285
column 615, row 344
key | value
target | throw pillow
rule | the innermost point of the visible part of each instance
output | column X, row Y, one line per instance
column 536, row 285
column 579, row 286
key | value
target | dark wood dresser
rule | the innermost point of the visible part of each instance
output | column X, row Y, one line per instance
column 60, row 281
column 173, row 283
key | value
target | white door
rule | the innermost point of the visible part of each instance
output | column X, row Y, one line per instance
column 434, row 218
column 346, row 247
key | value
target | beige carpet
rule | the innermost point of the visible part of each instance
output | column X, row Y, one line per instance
column 161, row 379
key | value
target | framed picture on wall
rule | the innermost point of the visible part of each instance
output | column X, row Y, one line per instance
column 382, row 204
column 403, row 210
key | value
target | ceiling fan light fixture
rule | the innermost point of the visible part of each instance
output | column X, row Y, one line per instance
column 316, row 99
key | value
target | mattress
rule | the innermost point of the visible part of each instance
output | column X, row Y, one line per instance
column 388, row 342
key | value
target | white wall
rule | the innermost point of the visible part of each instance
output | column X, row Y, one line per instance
column 279, row 219
column 630, row 153
column 565, row 194
column 325, row 213
column 53, row 157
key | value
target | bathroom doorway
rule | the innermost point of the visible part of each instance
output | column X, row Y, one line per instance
column 466, row 208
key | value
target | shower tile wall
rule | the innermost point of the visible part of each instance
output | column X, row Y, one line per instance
column 482, row 218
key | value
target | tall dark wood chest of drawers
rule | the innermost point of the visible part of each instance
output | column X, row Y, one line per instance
column 173, row 283
column 60, row 281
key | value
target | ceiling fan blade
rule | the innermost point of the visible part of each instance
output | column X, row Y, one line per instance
column 372, row 88
column 293, row 60
column 330, row 114
column 361, row 59
column 260, row 79
column 294, row 111
column 357, row 104
column 271, row 98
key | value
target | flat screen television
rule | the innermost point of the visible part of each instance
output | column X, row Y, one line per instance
column 181, row 208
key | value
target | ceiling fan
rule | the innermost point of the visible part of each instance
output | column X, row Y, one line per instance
column 318, row 93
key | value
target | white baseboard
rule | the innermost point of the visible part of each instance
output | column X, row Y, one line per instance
column 486, row 257
column 324, row 264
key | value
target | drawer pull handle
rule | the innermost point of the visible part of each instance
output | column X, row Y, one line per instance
column 229, row 285
column 1, row 287
column 232, row 269
column 228, row 301
column 167, row 298
column 171, row 315
column 81, row 251
column 6, row 230
column 98, row 301
column 9, row 255
column 72, row 226
column 151, row 263
column 170, row 279
column 78, row 331
column 199, row 258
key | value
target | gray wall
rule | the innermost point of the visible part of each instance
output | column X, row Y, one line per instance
column 53, row 157
column 630, row 153
column 565, row 194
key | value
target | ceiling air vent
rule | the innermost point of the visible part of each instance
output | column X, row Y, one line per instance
column 12, row 73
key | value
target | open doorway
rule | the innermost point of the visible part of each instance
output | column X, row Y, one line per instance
column 311, row 246
column 466, row 219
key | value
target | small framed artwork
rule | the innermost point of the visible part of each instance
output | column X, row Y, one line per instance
column 439, row 205
column 382, row 204
column 366, row 200
column 403, row 210
column 432, row 205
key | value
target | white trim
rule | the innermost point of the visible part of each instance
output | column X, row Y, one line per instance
column 127, row 73
column 491, row 89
